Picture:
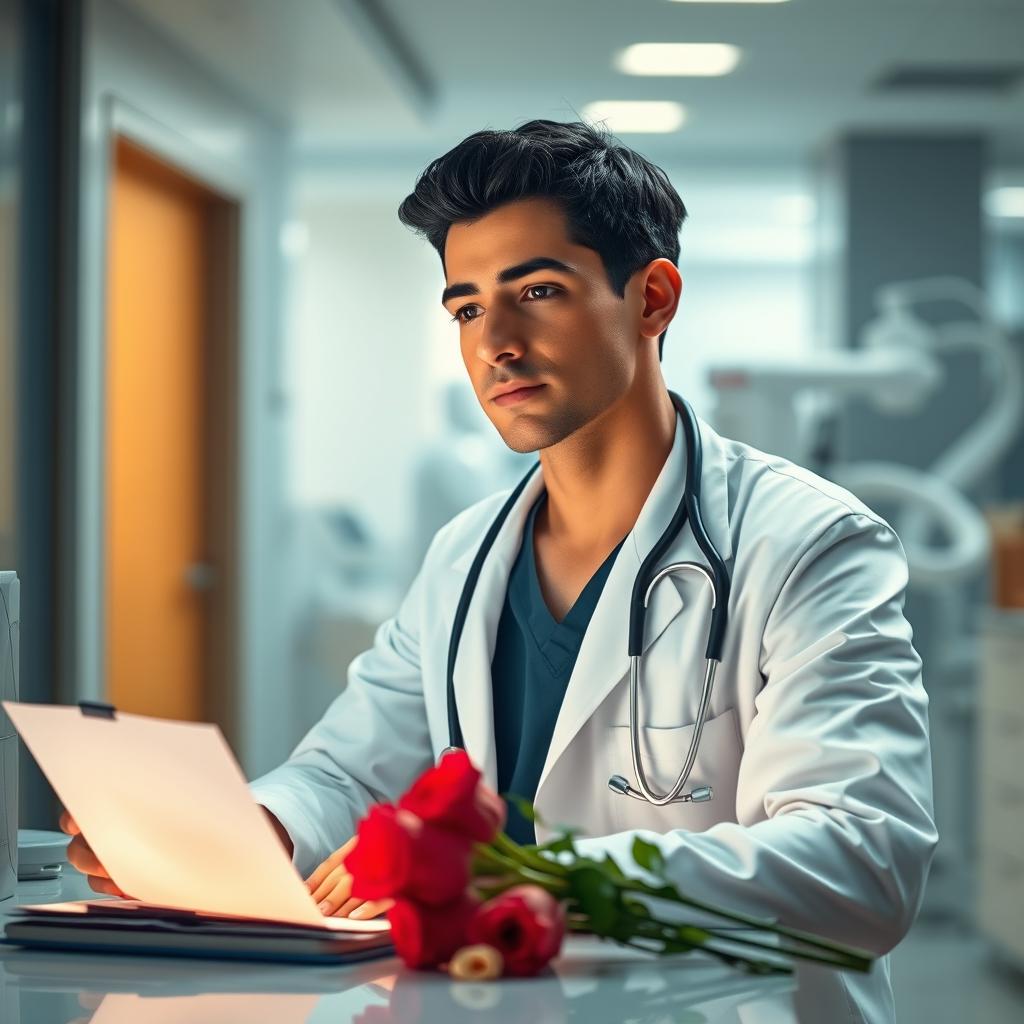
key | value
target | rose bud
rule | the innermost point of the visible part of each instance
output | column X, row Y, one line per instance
column 525, row 924
column 427, row 936
column 452, row 795
column 397, row 854
column 476, row 963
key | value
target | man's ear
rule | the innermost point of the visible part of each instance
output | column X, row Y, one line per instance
column 660, row 289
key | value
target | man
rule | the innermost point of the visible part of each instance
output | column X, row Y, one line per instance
column 560, row 248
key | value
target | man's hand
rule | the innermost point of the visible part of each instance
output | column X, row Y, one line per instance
column 80, row 855
column 331, row 887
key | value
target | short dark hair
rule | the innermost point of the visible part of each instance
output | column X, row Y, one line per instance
column 617, row 202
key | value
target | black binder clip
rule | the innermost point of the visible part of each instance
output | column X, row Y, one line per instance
column 97, row 709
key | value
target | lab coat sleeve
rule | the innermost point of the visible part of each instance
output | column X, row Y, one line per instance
column 834, row 830
column 369, row 745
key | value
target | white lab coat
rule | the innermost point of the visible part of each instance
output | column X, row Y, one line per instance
column 816, row 743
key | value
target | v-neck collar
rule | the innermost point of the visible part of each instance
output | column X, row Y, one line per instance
column 543, row 624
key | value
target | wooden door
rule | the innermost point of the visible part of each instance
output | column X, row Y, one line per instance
column 165, row 399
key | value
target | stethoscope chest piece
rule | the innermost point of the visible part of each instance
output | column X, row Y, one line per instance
column 700, row 795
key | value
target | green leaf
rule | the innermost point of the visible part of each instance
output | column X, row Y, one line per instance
column 526, row 809
column 560, row 844
column 612, row 868
column 637, row 908
column 598, row 897
column 648, row 856
column 523, row 806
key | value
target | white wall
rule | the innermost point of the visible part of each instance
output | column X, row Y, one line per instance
column 138, row 83
column 365, row 305
column 746, row 257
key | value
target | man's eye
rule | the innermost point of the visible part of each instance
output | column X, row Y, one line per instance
column 458, row 315
column 459, row 318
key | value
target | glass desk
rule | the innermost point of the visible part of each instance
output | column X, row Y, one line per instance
column 590, row 982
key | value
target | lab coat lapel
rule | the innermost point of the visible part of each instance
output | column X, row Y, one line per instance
column 472, row 676
column 603, row 662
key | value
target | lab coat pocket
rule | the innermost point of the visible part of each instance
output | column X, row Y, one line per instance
column 664, row 754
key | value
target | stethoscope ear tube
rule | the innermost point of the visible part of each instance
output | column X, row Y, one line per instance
column 462, row 609
column 720, row 575
column 688, row 510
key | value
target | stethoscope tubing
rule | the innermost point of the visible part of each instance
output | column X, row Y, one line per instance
column 716, row 574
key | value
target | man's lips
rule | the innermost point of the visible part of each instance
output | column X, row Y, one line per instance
column 518, row 395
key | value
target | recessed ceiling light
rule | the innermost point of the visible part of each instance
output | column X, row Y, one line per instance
column 637, row 115
column 678, row 59
column 1005, row 202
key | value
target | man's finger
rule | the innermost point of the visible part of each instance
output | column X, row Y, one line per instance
column 68, row 824
column 337, row 887
column 80, row 855
column 333, row 861
column 371, row 908
column 347, row 907
column 329, row 884
column 104, row 885
column 315, row 880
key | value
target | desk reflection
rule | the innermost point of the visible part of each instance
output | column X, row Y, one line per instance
column 591, row 981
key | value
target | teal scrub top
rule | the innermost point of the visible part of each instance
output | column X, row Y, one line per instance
column 533, row 659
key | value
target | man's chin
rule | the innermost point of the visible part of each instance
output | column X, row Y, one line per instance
column 524, row 447
column 524, row 437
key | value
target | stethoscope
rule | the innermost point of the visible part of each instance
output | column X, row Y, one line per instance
column 715, row 574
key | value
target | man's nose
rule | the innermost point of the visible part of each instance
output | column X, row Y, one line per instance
column 501, row 337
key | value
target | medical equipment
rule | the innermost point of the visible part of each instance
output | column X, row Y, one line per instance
column 716, row 575
column 777, row 406
column 780, row 406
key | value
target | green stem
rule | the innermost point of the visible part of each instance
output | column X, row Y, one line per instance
column 848, row 961
column 672, row 894
column 529, row 866
column 734, row 960
column 656, row 930
column 843, row 960
column 493, row 858
column 512, row 849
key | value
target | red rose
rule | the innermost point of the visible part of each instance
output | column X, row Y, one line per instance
column 397, row 854
column 525, row 924
column 428, row 936
column 452, row 795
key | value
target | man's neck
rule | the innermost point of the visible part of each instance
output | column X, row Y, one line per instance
column 599, row 478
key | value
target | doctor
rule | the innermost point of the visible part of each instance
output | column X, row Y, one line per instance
column 559, row 249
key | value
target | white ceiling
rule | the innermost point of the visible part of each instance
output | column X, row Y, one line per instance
column 806, row 74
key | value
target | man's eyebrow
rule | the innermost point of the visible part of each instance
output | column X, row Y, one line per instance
column 513, row 273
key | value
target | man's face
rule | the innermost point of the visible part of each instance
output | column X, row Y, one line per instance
column 563, row 334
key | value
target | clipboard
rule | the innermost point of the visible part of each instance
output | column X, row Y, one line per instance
column 167, row 810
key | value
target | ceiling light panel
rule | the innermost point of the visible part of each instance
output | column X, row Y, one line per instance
column 623, row 116
column 689, row 59
column 1005, row 202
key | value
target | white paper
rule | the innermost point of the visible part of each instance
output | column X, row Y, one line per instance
column 166, row 809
